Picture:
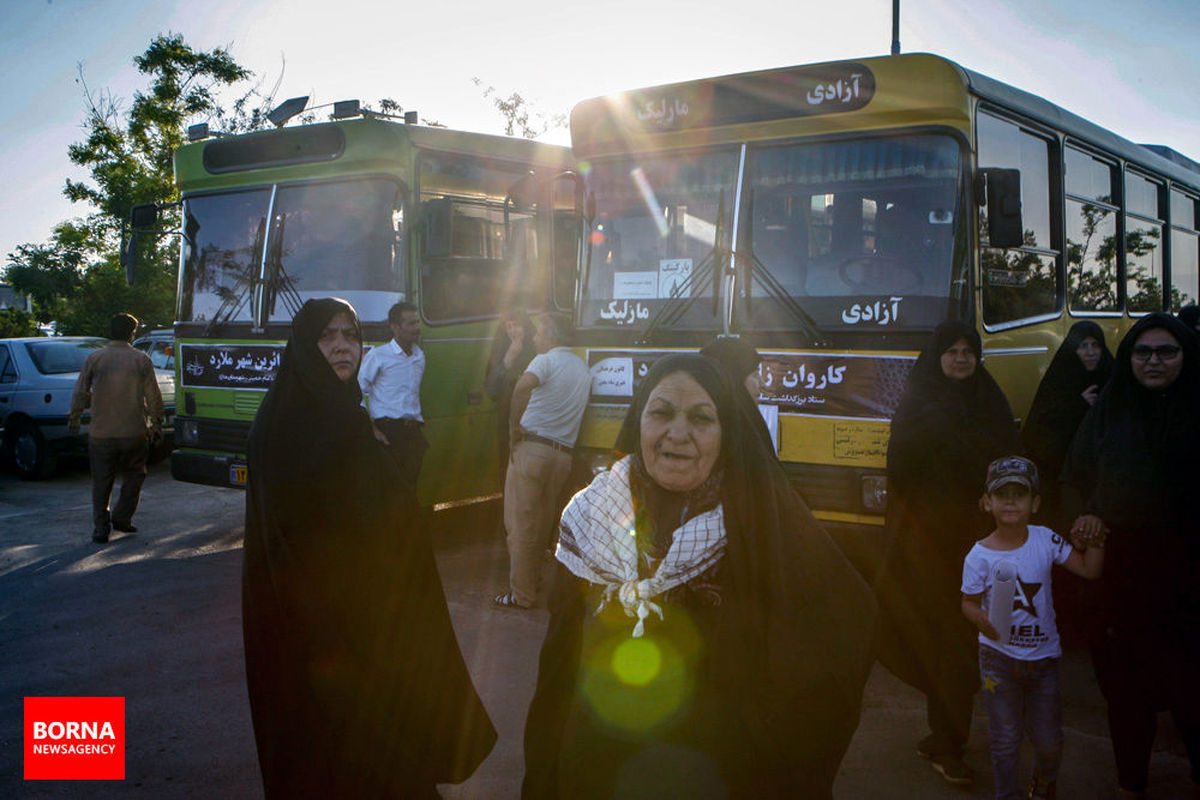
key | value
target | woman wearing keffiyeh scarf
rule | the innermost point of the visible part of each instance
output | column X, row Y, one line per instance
column 707, row 638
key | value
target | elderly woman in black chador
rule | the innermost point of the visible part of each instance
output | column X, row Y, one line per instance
column 357, row 686
column 707, row 638
column 1069, row 388
column 1134, row 463
column 952, row 421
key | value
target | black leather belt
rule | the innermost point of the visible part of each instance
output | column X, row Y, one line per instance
column 404, row 422
column 533, row 437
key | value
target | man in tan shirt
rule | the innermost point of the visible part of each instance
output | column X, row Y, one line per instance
column 127, row 412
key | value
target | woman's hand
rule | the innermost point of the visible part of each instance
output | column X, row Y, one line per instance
column 516, row 343
column 1089, row 529
column 1090, row 394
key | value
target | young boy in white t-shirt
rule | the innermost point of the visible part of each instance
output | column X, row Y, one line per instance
column 1019, row 666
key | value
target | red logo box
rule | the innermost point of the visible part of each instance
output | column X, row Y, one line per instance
column 74, row 738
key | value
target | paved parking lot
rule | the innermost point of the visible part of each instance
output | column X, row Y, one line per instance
column 155, row 617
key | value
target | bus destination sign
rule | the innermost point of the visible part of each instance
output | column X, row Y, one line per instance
column 234, row 366
column 757, row 97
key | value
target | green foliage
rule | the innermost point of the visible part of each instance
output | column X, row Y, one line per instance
column 17, row 322
column 521, row 118
column 1092, row 262
column 75, row 278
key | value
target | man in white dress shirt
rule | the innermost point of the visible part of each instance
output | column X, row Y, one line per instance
column 390, row 379
column 547, row 408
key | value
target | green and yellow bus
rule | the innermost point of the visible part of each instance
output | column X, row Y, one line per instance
column 833, row 214
column 375, row 211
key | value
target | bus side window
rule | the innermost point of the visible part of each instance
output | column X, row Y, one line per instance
column 1020, row 282
column 1145, row 210
column 1185, row 250
column 1091, row 225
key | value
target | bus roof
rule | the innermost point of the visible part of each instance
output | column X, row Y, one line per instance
column 860, row 94
column 342, row 147
column 1175, row 166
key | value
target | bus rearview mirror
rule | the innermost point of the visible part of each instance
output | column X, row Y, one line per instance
column 143, row 216
column 1003, row 197
column 438, row 214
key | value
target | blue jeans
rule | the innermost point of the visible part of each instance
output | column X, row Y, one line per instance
column 1021, row 696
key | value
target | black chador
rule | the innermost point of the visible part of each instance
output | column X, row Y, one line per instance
column 357, row 684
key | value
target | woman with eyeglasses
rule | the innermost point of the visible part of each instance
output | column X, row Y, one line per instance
column 1134, row 465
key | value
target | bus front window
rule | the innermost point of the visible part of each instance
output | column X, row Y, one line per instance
column 860, row 234
column 332, row 238
column 658, row 228
column 222, row 253
column 336, row 238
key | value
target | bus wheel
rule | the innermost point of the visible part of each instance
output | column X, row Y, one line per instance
column 34, row 458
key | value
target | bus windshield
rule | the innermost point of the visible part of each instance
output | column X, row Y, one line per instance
column 339, row 238
column 659, row 227
column 859, row 233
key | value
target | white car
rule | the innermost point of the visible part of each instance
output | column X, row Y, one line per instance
column 37, row 377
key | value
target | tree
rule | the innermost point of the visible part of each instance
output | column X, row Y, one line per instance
column 521, row 117
column 17, row 322
column 76, row 277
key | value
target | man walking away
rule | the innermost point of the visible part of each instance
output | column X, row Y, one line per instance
column 127, row 412
column 547, row 408
column 390, row 379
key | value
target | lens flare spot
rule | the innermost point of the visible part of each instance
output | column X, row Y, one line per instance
column 636, row 684
column 597, row 238
column 637, row 662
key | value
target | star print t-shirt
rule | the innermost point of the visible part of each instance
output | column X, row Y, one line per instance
column 1034, row 633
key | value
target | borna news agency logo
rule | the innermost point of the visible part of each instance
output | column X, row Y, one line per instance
column 74, row 738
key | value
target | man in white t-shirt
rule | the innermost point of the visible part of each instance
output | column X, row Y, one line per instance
column 390, row 379
column 547, row 408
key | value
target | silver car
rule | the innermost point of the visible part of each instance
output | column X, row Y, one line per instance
column 160, row 346
column 37, row 377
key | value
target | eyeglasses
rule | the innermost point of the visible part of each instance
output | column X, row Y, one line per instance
column 1165, row 352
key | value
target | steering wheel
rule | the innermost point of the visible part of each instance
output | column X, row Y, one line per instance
column 875, row 273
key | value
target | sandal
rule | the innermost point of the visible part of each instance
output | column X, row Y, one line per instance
column 507, row 600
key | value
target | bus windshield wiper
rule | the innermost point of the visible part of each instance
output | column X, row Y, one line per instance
column 277, row 281
column 688, row 290
column 775, row 290
column 758, row 271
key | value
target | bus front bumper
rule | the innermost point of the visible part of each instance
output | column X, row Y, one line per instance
column 210, row 470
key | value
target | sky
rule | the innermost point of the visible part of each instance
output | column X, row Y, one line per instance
column 1130, row 67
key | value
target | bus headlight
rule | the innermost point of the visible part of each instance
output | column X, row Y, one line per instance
column 187, row 432
column 874, row 493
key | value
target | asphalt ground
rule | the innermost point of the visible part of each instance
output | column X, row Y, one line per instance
column 154, row 617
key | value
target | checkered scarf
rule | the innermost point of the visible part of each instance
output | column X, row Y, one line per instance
column 597, row 542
